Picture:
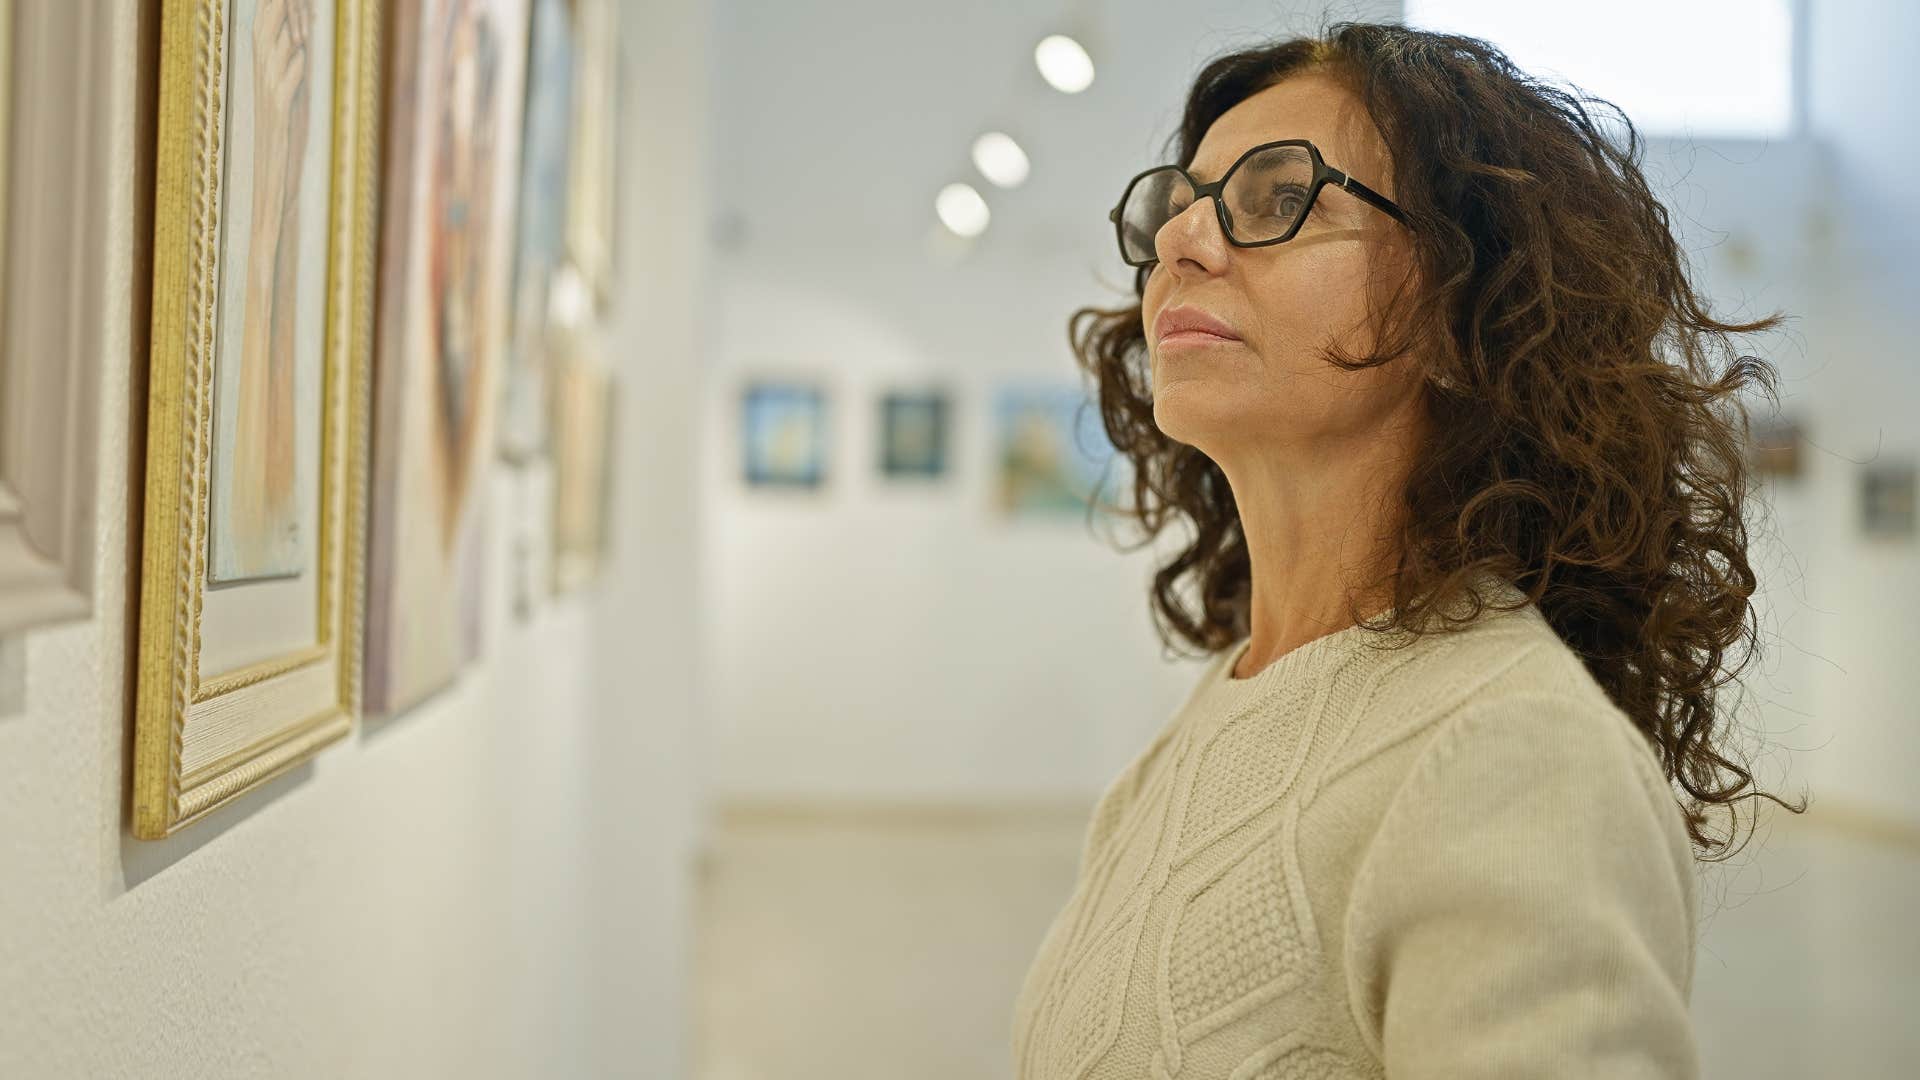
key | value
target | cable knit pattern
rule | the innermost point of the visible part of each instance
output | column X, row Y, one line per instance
column 1457, row 859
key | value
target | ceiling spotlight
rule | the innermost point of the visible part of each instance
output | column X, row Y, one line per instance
column 1000, row 159
column 962, row 209
column 1063, row 63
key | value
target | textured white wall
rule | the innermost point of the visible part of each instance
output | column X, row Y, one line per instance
column 494, row 885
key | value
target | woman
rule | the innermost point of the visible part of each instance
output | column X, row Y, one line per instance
column 1419, row 362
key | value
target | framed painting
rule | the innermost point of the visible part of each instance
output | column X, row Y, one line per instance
column 913, row 434
column 541, row 230
column 1889, row 499
column 783, row 434
column 457, row 75
column 595, row 127
column 1052, row 454
column 583, row 459
column 256, row 398
column 1774, row 446
column 59, row 298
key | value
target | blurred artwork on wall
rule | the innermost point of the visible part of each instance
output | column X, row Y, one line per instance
column 1887, row 500
column 541, row 231
column 452, row 167
column 784, row 434
column 595, row 134
column 1774, row 446
column 583, row 412
column 913, row 434
column 1052, row 453
column 529, row 532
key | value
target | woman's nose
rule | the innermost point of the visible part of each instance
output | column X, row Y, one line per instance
column 1193, row 234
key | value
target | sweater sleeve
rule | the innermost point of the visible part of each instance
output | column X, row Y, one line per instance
column 1525, row 908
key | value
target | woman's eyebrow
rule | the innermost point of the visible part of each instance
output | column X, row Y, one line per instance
column 1202, row 177
column 1210, row 177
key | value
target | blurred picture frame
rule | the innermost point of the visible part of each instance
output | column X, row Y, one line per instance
column 1052, row 457
column 540, row 230
column 451, row 172
column 1776, row 446
column 1888, row 495
column 783, row 434
column 262, row 266
column 58, row 298
column 914, row 433
column 583, row 456
column 594, row 153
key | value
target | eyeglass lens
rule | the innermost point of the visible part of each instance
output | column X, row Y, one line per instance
column 1265, row 196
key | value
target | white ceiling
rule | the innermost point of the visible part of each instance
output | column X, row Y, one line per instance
column 834, row 124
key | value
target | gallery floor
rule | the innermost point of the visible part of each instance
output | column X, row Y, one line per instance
column 840, row 945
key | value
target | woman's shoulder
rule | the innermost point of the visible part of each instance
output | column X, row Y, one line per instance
column 1541, row 718
column 1511, row 663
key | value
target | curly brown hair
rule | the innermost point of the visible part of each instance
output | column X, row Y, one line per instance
column 1582, row 447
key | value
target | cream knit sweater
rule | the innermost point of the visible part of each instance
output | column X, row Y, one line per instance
column 1456, row 860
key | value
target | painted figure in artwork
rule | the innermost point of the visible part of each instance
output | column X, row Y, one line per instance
column 262, row 523
column 460, row 193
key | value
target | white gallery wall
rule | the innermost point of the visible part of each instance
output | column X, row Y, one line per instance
column 892, row 639
column 1863, row 326
column 895, row 640
column 493, row 885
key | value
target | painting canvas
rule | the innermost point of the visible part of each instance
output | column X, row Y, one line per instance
column 454, row 112
column 1889, row 493
column 913, row 434
column 267, row 384
column 1774, row 449
column 1053, row 456
column 256, row 425
column 783, row 434
column 583, row 460
column 541, row 230
column 592, row 164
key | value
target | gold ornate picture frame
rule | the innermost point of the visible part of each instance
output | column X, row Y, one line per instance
column 257, row 398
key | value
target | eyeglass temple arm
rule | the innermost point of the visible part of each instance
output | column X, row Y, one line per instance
column 1367, row 193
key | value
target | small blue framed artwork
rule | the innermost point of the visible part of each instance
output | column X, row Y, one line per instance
column 913, row 434
column 784, row 434
column 1052, row 454
column 1889, row 500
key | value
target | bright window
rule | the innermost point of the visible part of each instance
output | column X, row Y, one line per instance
column 1696, row 68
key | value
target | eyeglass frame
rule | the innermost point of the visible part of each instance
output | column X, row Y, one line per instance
column 1323, row 174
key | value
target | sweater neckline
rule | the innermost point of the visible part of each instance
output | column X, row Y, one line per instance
column 1224, row 694
column 1221, row 693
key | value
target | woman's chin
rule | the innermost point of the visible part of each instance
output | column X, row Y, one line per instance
column 1191, row 411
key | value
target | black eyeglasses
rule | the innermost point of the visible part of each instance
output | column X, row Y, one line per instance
column 1260, row 200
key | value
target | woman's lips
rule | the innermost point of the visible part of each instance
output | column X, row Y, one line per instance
column 1196, row 337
